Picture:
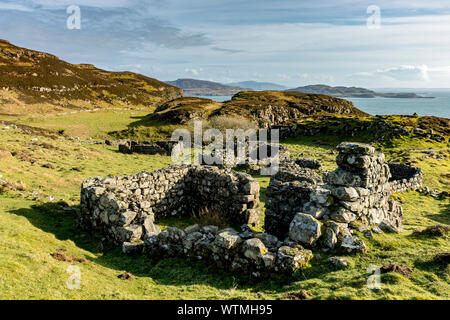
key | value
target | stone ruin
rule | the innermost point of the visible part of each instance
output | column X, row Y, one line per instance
column 404, row 177
column 261, row 155
column 124, row 208
column 148, row 147
column 356, row 195
column 303, row 211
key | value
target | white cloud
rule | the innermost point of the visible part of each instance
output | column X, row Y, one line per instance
column 403, row 73
column 13, row 6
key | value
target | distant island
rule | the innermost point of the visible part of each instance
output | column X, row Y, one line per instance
column 354, row 92
column 194, row 87
column 258, row 86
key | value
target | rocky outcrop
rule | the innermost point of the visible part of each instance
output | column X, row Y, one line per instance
column 376, row 129
column 273, row 108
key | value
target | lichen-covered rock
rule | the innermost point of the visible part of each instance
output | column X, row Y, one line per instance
column 330, row 238
column 305, row 229
column 353, row 245
column 254, row 249
column 292, row 259
column 130, row 233
column 341, row 262
column 343, row 215
column 226, row 239
column 345, row 193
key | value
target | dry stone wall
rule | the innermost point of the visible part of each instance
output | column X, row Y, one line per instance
column 124, row 208
column 259, row 255
column 303, row 210
column 316, row 213
column 148, row 147
column 404, row 177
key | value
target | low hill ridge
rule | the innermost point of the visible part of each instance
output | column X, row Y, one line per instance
column 39, row 82
column 204, row 88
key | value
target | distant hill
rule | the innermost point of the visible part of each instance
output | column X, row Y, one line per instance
column 258, row 86
column 352, row 92
column 267, row 108
column 38, row 82
column 194, row 87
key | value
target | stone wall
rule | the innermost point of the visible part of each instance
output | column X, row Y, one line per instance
column 148, row 147
column 124, row 208
column 303, row 211
column 404, row 177
column 261, row 155
column 357, row 193
column 258, row 255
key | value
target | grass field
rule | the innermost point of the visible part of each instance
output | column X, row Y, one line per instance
column 32, row 226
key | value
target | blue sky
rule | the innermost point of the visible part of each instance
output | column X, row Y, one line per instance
column 290, row 42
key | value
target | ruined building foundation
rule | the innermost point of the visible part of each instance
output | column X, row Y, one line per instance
column 304, row 211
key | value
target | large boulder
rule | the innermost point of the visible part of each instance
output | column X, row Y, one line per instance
column 305, row 229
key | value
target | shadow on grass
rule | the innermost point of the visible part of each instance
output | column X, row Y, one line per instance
column 53, row 218
column 443, row 217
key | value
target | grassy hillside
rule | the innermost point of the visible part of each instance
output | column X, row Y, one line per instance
column 37, row 218
column 40, row 83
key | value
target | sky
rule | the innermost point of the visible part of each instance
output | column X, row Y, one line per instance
column 374, row 44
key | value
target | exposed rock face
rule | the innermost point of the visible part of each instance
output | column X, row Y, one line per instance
column 267, row 108
column 271, row 108
column 124, row 208
column 357, row 193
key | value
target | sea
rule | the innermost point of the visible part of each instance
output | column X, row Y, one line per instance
column 439, row 106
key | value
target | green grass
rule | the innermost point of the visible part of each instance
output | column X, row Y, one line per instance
column 31, row 228
column 94, row 124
